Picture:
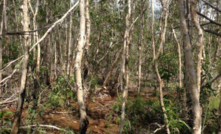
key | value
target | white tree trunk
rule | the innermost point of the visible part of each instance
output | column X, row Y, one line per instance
column 125, row 69
column 25, row 23
column 80, row 90
column 155, row 59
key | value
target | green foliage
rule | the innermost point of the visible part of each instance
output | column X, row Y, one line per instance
column 5, row 121
column 136, row 109
column 62, row 91
column 4, row 131
column 118, row 104
column 214, row 102
column 32, row 114
column 13, row 51
column 4, row 117
column 169, row 67
column 207, row 90
column 176, row 124
column 68, row 131
column 127, row 126
column 94, row 82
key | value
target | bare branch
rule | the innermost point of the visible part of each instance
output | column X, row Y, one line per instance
column 9, row 101
column 212, row 21
column 8, row 77
column 212, row 32
column 207, row 3
column 40, row 125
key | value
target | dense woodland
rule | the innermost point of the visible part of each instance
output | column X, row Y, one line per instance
column 110, row 66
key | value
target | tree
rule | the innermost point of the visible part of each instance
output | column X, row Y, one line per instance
column 191, row 82
column 1, row 40
column 125, row 66
column 25, row 23
column 80, row 90
column 165, row 5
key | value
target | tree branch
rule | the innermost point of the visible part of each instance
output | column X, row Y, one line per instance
column 212, row 21
column 212, row 32
column 40, row 125
column 207, row 3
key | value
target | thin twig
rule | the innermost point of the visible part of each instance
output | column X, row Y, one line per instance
column 67, row 112
column 160, row 127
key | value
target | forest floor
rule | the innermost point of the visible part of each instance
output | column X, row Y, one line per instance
column 102, row 118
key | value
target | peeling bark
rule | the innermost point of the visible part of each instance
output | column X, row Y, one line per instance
column 25, row 23
column 191, row 78
column 80, row 90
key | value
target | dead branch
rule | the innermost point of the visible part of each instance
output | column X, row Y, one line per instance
column 8, row 77
column 68, row 112
column 40, row 125
column 212, row 32
column 160, row 127
column 9, row 101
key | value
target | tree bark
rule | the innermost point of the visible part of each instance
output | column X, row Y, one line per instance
column 155, row 59
column 80, row 90
column 165, row 14
column 191, row 81
column 200, row 41
column 88, row 26
column 125, row 68
column 26, row 23
column 69, row 43
column 182, row 97
column 140, row 44
column 1, row 40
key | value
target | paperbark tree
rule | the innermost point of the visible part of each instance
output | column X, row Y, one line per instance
column 87, row 42
column 163, row 25
column 140, row 44
column 125, row 68
column 80, row 90
column 88, row 26
column 200, row 42
column 36, row 57
column 191, row 80
column 183, row 96
column 69, row 43
column 25, row 23
column 155, row 59
column 1, row 39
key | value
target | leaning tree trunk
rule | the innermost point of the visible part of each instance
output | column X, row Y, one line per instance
column 125, row 68
column 155, row 59
column 80, row 90
column 191, row 82
column 25, row 22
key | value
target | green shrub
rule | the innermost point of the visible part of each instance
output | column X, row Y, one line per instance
column 61, row 91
